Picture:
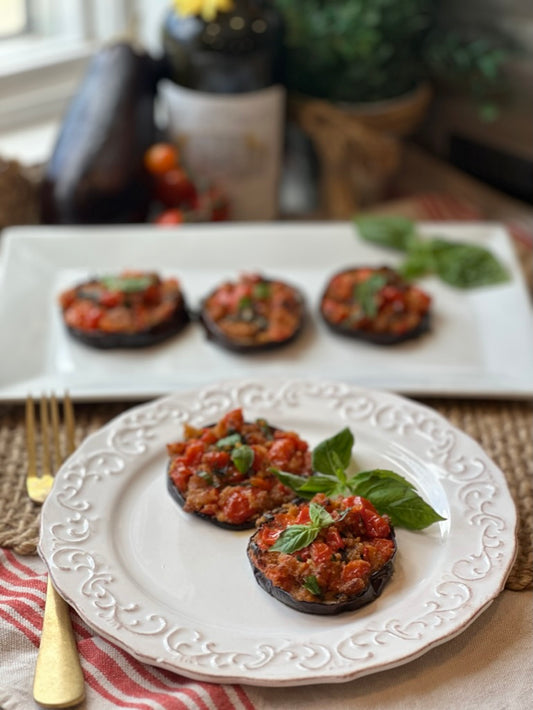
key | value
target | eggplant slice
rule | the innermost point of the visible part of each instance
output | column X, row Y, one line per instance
column 375, row 305
column 253, row 314
column 116, row 300
column 221, row 472
column 280, row 574
column 180, row 500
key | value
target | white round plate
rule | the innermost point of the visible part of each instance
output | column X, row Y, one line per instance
column 178, row 592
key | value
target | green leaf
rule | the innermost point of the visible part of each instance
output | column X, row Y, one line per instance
column 319, row 516
column 261, row 290
column 229, row 441
column 295, row 537
column 419, row 261
column 291, row 480
column 333, row 453
column 386, row 230
column 126, row 284
column 319, row 483
column 466, row 265
column 365, row 293
column 394, row 496
column 244, row 303
column 242, row 457
column 312, row 585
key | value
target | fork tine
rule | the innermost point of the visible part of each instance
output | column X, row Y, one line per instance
column 30, row 437
column 68, row 413
column 55, row 432
column 45, row 461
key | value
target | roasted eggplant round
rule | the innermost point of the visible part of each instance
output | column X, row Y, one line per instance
column 132, row 310
column 253, row 314
column 324, row 557
column 376, row 305
column 223, row 472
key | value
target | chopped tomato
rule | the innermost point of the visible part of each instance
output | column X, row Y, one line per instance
column 320, row 552
column 237, row 508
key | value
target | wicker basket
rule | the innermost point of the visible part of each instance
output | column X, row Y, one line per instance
column 358, row 146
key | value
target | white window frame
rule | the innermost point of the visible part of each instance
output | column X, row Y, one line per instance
column 38, row 75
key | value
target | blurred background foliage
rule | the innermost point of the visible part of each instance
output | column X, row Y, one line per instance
column 369, row 50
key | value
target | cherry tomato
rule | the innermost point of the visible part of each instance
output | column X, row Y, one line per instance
column 174, row 188
column 170, row 216
column 160, row 158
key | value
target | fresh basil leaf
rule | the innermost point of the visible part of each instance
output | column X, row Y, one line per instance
column 228, row 441
column 319, row 483
column 365, row 294
column 295, row 537
column 333, row 453
column 244, row 303
column 466, row 265
column 377, row 476
column 126, row 284
column 293, row 482
column 319, row 516
column 312, row 585
column 242, row 457
column 261, row 290
column 419, row 262
column 393, row 495
column 386, row 230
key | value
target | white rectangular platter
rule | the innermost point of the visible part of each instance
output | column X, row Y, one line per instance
column 481, row 342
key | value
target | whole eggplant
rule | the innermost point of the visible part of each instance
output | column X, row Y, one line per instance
column 95, row 173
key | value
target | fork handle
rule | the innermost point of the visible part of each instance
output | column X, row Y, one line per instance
column 58, row 680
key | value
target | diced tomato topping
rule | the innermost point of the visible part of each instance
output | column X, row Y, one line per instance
column 237, row 507
column 217, row 459
column 180, row 474
column 320, row 552
column 194, row 452
column 233, row 421
column 281, row 451
column 268, row 537
column 356, row 569
column 334, row 539
column 266, row 484
column 375, row 525
column 303, row 516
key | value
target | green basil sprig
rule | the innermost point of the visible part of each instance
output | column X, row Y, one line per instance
column 365, row 294
column 389, row 493
column 459, row 264
column 296, row 537
column 126, row 284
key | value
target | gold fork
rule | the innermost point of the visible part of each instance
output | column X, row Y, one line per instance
column 58, row 680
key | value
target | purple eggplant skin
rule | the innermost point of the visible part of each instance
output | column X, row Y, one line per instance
column 378, row 580
column 95, row 174
column 180, row 500
column 214, row 333
column 125, row 341
column 424, row 326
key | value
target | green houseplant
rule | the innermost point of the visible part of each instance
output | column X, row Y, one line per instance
column 359, row 51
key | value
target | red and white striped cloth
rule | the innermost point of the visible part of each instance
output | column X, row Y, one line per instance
column 113, row 678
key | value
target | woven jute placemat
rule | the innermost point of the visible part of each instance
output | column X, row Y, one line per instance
column 504, row 429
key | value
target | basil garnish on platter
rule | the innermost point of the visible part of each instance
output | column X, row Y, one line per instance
column 126, row 284
column 389, row 493
column 459, row 264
